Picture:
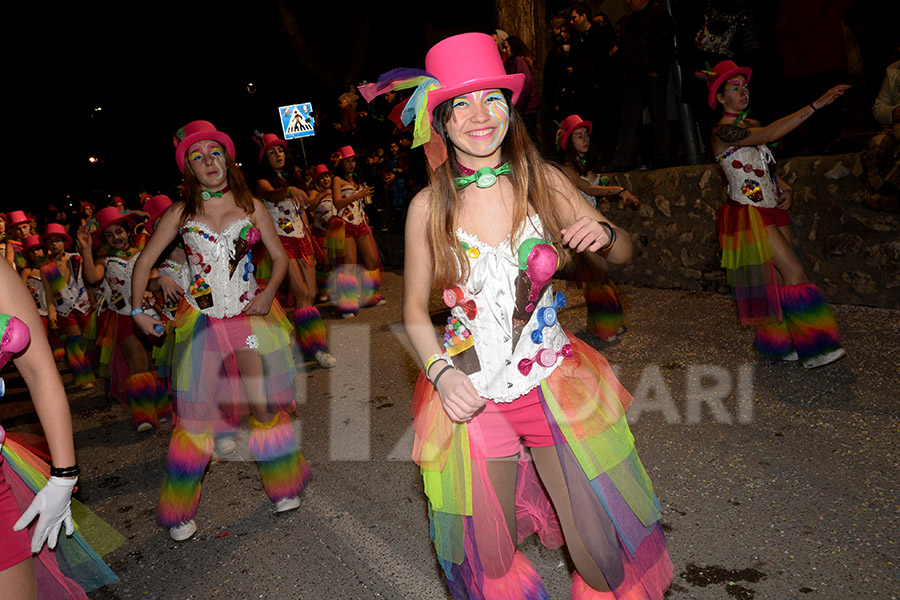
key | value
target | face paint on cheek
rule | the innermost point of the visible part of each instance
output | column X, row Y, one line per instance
column 222, row 166
column 500, row 111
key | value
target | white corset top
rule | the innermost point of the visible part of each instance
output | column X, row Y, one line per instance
column 750, row 171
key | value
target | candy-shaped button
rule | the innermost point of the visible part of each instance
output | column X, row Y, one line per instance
column 455, row 297
column 547, row 317
column 545, row 357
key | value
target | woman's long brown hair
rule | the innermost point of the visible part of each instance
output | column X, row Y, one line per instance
column 193, row 200
column 531, row 188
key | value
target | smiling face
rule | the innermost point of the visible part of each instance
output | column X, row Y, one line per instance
column 734, row 95
column 207, row 161
column 324, row 182
column 477, row 126
column 275, row 156
column 56, row 245
column 580, row 140
column 116, row 236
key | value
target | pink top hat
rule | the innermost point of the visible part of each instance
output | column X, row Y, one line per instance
column 56, row 230
column 568, row 127
column 721, row 73
column 155, row 206
column 30, row 242
column 467, row 63
column 111, row 215
column 346, row 152
column 16, row 217
column 197, row 131
column 321, row 170
column 268, row 140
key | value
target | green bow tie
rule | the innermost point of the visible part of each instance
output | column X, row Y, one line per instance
column 207, row 194
column 483, row 178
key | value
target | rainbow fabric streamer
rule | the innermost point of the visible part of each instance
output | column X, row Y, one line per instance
column 810, row 320
column 82, row 373
column 345, row 291
column 187, row 459
column 50, row 271
column 370, row 283
column 282, row 468
column 416, row 108
column 311, row 336
column 141, row 389
column 604, row 310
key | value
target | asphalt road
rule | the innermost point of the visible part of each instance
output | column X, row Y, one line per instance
column 776, row 482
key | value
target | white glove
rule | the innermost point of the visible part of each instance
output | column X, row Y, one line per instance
column 53, row 504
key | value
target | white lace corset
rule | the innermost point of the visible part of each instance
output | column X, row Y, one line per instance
column 353, row 212
column 287, row 219
column 36, row 286
column 221, row 278
column 323, row 213
column 750, row 171
column 118, row 283
column 492, row 285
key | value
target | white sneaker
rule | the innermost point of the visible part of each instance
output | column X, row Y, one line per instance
column 381, row 302
column 286, row 504
column 145, row 426
column 225, row 445
column 325, row 359
column 824, row 359
column 183, row 532
column 791, row 356
column 348, row 315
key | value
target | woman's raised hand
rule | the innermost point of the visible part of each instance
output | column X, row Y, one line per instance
column 84, row 238
column 830, row 96
column 585, row 234
column 458, row 395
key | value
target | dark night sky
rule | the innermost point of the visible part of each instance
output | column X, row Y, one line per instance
column 152, row 69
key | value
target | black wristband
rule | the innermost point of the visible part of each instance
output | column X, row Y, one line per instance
column 72, row 471
column 612, row 236
column 441, row 372
column 813, row 106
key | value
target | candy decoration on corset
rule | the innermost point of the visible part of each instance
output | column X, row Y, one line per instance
column 201, row 292
column 538, row 261
column 546, row 317
column 752, row 190
column 461, row 347
column 249, row 235
column 456, row 297
column 545, row 357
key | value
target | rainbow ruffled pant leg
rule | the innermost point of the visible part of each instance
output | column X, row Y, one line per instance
column 345, row 290
column 322, row 281
column 310, row 328
column 188, row 456
column 82, row 373
column 163, row 399
column 370, row 282
column 809, row 320
column 773, row 338
column 604, row 310
column 521, row 582
column 56, row 344
column 141, row 391
column 282, row 468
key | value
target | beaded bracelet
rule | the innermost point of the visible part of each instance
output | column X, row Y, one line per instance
column 434, row 381
column 72, row 471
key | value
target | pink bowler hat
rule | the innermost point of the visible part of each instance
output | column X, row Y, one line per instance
column 56, row 230
column 721, row 73
column 111, row 215
column 30, row 242
column 321, row 170
column 197, row 131
column 467, row 63
column 345, row 152
column 568, row 127
column 16, row 217
column 268, row 140
column 155, row 206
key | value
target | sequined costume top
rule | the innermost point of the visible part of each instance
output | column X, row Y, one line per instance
column 750, row 171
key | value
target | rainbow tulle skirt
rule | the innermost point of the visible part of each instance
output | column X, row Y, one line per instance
column 616, row 510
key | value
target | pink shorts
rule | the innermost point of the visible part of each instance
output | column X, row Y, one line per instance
column 505, row 425
column 16, row 545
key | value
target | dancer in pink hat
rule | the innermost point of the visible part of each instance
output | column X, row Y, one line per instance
column 233, row 341
column 605, row 317
column 767, row 278
column 357, row 277
column 491, row 228
column 322, row 212
column 69, row 308
column 282, row 188
column 18, row 226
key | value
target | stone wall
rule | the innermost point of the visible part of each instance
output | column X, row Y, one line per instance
column 849, row 250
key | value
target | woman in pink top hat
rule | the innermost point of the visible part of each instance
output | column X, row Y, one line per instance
column 18, row 226
column 69, row 305
column 491, row 228
column 358, row 277
column 322, row 213
column 767, row 278
column 282, row 188
column 233, row 340
column 605, row 317
column 124, row 350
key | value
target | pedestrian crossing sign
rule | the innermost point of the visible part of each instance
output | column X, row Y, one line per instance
column 297, row 121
